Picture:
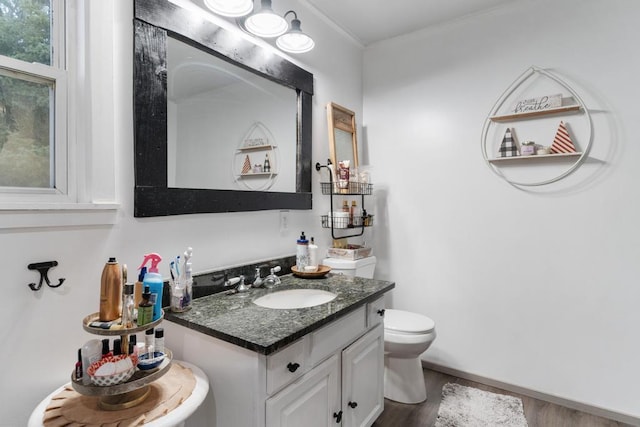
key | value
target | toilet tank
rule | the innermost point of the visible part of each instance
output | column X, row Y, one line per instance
column 363, row 267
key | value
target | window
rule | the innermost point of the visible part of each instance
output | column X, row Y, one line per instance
column 33, row 99
column 56, row 94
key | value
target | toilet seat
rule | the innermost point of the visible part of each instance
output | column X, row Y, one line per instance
column 405, row 322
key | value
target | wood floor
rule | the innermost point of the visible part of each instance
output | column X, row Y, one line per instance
column 538, row 413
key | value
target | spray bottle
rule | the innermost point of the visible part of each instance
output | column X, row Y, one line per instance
column 153, row 280
column 110, row 291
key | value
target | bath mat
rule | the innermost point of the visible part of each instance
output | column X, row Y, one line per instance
column 469, row 407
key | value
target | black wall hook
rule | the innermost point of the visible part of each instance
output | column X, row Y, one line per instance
column 43, row 268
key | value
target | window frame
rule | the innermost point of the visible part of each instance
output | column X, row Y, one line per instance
column 81, row 31
column 56, row 74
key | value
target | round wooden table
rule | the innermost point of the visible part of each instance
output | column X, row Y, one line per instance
column 174, row 418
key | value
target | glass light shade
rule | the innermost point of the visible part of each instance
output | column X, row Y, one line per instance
column 266, row 23
column 295, row 41
column 231, row 8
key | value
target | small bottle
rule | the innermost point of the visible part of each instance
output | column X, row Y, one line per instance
column 267, row 164
column 159, row 340
column 302, row 253
column 345, row 206
column 110, row 291
column 149, row 342
column 357, row 216
column 128, row 306
column 79, row 366
column 139, row 287
column 145, row 309
column 105, row 348
column 313, row 254
column 132, row 347
column 352, row 214
column 117, row 347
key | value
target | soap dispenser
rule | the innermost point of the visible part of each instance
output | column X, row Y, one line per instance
column 302, row 253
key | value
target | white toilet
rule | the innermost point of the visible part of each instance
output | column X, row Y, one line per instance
column 406, row 336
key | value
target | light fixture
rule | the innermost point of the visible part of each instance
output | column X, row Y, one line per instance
column 231, row 8
column 294, row 40
column 265, row 22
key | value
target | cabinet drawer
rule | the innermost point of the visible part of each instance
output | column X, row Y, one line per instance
column 336, row 335
column 375, row 312
column 285, row 366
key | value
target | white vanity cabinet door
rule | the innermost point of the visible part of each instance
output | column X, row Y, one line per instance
column 362, row 382
column 311, row 401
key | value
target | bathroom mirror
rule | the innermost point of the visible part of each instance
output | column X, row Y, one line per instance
column 169, row 180
column 342, row 135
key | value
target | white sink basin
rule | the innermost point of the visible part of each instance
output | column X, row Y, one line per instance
column 295, row 298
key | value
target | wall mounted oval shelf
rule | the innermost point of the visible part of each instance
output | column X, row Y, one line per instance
column 257, row 145
column 518, row 170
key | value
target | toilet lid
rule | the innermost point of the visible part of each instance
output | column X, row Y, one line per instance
column 407, row 322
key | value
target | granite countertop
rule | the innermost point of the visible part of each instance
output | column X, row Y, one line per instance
column 236, row 319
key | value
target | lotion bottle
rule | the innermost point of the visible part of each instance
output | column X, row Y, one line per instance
column 313, row 254
column 110, row 291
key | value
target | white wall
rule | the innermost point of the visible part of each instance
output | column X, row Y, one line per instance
column 533, row 287
column 42, row 330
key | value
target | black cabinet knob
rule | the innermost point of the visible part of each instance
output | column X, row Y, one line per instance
column 338, row 416
column 293, row 367
column 381, row 312
column 352, row 404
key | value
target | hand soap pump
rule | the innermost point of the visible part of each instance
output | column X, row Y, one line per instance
column 153, row 280
column 302, row 253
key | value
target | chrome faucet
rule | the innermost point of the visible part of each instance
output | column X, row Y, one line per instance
column 257, row 282
column 272, row 280
column 242, row 287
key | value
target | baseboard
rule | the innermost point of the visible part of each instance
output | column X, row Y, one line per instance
column 593, row 410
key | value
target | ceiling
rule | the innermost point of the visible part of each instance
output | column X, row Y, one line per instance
column 369, row 21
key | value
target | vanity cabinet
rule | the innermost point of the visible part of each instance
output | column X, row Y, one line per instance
column 332, row 376
column 342, row 390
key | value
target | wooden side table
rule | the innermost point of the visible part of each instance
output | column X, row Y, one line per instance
column 174, row 418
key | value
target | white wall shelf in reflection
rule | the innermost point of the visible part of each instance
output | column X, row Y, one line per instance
column 536, row 157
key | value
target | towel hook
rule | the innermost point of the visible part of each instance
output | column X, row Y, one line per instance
column 43, row 268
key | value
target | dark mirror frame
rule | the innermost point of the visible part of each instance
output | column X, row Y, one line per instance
column 154, row 21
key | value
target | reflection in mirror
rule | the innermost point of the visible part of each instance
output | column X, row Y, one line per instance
column 227, row 128
column 342, row 135
column 166, row 182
